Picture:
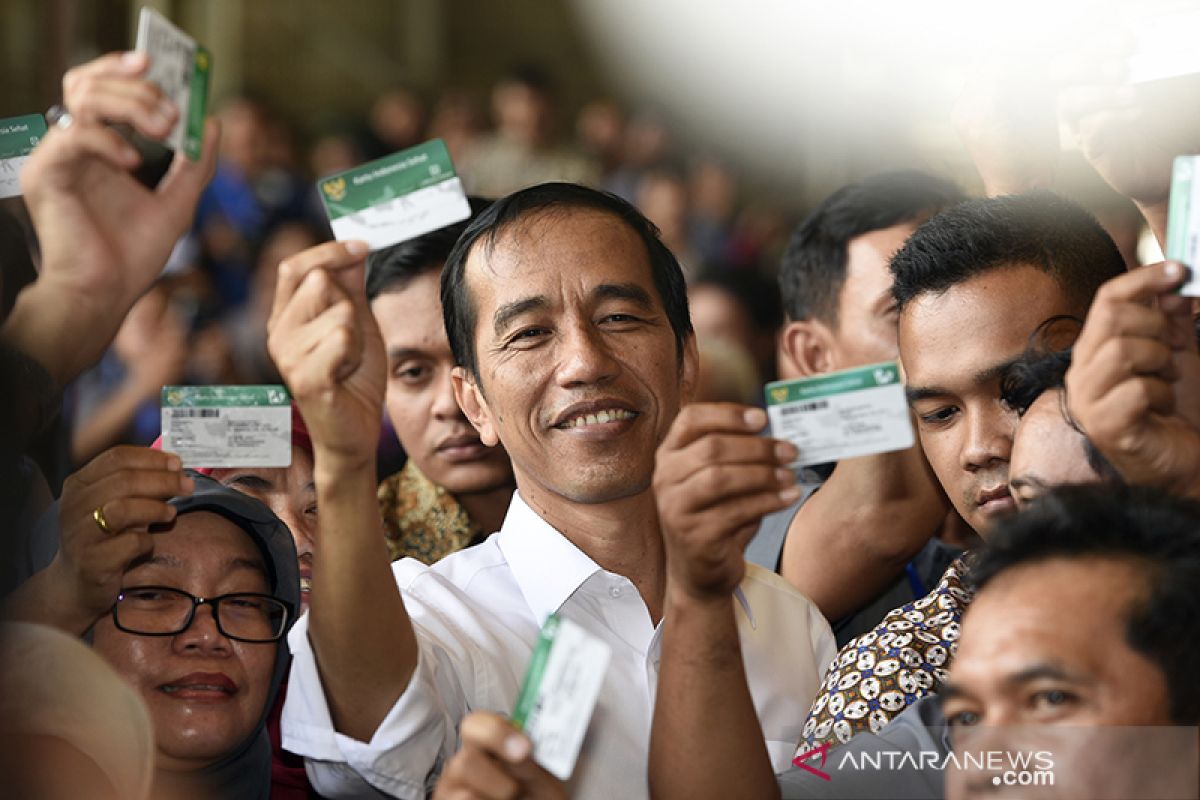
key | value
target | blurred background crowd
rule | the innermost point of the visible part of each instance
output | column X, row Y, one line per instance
column 521, row 92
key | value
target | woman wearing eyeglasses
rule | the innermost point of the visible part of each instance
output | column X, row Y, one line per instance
column 207, row 587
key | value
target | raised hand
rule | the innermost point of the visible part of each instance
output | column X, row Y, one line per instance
column 1134, row 382
column 714, row 480
column 327, row 346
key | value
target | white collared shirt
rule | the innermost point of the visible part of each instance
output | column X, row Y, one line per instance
column 477, row 614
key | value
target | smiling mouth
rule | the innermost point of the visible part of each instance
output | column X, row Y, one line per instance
column 602, row 417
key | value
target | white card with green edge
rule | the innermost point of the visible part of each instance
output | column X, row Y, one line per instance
column 395, row 198
column 847, row 414
column 228, row 426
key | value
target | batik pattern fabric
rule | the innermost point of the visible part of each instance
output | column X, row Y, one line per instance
column 885, row 670
column 421, row 519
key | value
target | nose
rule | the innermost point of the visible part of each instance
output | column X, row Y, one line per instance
column 586, row 358
column 202, row 636
column 445, row 407
column 989, row 437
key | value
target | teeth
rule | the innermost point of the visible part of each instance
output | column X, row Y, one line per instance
column 600, row 417
column 305, row 584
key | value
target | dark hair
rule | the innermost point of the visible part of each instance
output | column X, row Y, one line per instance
column 393, row 268
column 813, row 269
column 1043, row 367
column 548, row 199
column 757, row 295
column 1158, row 533
column 1039, row 229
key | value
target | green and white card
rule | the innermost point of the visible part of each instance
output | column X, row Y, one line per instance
column 855, row 412
column 559, row 693
column 181, row 69
column 18, row 137
column 228, row 426
column 395, row 198
column 1183, row 225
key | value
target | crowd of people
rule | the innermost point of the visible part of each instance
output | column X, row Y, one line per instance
column 552, row 407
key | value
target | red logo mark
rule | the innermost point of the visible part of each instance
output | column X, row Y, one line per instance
column 801, row 759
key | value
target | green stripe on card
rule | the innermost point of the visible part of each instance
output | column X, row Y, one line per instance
column 1182, row 175
column 386, row 179
column 532, row 687
column 224, row 396
column 851, row 380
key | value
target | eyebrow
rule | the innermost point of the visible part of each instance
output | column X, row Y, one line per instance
column 506, row 313
column 995, row 372
column 1042, row 672
column 252, row 482
column 624, row 291
column 405, row 353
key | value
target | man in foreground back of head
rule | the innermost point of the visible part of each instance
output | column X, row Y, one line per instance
column 1086, row 618
column 569, row 320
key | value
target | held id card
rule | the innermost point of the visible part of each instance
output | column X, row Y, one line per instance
column 855, row 412
column 396, row 197
column 18, row 137
column 1183, row 222
column 559, row 693
column 181, row 69
column 228, row 426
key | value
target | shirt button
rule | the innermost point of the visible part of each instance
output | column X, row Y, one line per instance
column 615, row 591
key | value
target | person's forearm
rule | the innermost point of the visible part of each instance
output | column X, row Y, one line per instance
column 706, row 741
column 109, row 422
column 854, row 536
column 62, row 331
column 364, row 643
column 46, row 599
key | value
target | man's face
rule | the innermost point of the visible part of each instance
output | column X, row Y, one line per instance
column 866, row 325
column 1046, row 451
column 956, row 347
column 1020, row 662
column 205, row 692
column 579, row 373
column 420, row 396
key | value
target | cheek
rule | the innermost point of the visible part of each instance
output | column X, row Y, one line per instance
column 258, row 661
column 410, row 413
column 139, row 660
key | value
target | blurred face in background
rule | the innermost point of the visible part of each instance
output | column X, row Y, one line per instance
column 431, row 427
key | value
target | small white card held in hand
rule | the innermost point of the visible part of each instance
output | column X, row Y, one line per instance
column 855, row 412
column 559, row 694
column 395, row 198
column 179, row 67
column 228, row 426
column 1183, row 225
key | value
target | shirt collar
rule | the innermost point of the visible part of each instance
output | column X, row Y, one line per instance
column 547, row 567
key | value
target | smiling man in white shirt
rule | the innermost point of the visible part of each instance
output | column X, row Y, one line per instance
column 569, row 320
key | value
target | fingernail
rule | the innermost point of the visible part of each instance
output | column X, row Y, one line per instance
column 516, row 748
column 790, row 494
column 167, row 110
column 755, row 417
column 785, row 452
column 357, row 248
column 174, row 462
column 133, row 59
column 187, row 485
column 1173, row 270
column 784, row 476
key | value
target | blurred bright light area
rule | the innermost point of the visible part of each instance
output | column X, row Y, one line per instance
column 808, row 93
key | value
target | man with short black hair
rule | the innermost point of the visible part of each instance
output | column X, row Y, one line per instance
column 875, row 519
column 568, row 318
column 453, row 490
